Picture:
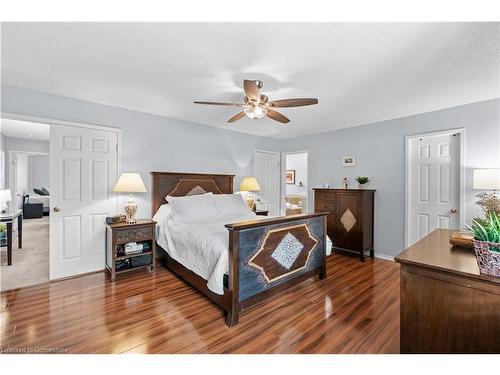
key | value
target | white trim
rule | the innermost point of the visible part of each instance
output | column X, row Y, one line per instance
column 44, row 120
column 384, row 256
column 462, row 171
column 283, row 182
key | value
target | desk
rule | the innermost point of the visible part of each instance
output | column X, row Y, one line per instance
column 447, row 305
column 8, row 218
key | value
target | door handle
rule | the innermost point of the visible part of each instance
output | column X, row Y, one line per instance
column 453, row 210
column 57, row 209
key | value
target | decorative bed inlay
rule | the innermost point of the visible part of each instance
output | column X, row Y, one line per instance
column 348, row 220
column 266, row 256
column 197, row 190
column 283, row 252
column 187, row 187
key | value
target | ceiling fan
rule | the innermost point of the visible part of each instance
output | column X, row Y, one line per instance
column 257, row 105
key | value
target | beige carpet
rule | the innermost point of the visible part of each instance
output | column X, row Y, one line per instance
column 30, row 265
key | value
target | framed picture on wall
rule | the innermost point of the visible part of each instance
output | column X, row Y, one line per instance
column 290, row 176
column 349, row 161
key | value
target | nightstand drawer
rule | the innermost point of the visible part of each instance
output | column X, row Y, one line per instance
column 134, row 234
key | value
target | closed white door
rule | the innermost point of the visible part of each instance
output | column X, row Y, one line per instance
column 267, row 172
column 434, row 184
column 83, row 169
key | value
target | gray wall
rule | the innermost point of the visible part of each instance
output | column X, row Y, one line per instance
column 39, row 171
column 21, row 144
column 149, row 142
column 380, row 151
column 2, row 160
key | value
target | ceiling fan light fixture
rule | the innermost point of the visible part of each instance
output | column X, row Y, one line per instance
column 256, row 112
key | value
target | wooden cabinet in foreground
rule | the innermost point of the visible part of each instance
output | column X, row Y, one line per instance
column 447, row 306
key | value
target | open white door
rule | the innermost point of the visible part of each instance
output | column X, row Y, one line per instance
column 267, row 171
column 83, row 169
column 433, row 184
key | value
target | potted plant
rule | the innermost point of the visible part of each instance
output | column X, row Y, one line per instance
column 487, row 243
column 362, row 180
column 3, row 233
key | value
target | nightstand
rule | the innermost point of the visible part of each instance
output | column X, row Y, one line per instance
column 118, row 235
column 261, row 212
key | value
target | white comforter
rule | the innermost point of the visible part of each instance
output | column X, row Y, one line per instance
column 201, row 246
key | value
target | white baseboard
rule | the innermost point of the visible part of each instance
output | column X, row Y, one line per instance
column 384, row 257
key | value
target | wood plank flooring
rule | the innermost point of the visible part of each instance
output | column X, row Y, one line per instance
column 354, row 310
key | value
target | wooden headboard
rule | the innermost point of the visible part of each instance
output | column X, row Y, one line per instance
column 182, row 184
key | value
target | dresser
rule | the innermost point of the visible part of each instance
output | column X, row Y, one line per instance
column 350, row 218
column 447, row 305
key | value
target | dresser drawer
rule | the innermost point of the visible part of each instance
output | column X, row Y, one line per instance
column 325, row 196
column 324, row 206
column 134, row 234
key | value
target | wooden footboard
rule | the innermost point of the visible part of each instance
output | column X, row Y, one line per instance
column 268, row 256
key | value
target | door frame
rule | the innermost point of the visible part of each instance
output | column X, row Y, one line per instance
column 49, row 121
column 283, row 181
column 254, row 166
column 461, row 171
column 13, row 171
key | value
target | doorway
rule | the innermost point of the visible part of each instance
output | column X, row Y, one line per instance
column 295, row 176
column 26, row 146
column 83, row 167
column 435, row 183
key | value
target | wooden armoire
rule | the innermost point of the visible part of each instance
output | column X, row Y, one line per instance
column 350, row 222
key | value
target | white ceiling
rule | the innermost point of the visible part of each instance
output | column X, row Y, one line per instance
column 361, row 72
column 23, row 129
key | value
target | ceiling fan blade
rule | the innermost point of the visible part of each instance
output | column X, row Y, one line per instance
column 252, row 91
column 276, row 116
column 299, row 102
column 220, row 103
column 237, row 117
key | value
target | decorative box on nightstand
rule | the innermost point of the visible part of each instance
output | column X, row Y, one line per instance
column 118, row 235
column 261, row 212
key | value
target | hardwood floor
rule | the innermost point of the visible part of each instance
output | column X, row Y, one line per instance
column 354, row 310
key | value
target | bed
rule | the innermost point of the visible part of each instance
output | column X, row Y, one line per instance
column 44, row 199
column 259, row 258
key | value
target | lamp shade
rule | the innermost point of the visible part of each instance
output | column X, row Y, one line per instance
column 5, row 195
column 130, row 183
column 249, row 184
column 486, row 179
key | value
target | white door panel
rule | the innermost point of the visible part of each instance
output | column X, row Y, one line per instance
column 434, row 184
column 267, row 172
column 83, row 169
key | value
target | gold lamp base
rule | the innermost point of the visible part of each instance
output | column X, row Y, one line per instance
column 131, row 210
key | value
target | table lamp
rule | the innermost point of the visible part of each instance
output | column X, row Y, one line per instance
column 4, row 198
column 486, row 179
column 130, row 183
column 250, row 184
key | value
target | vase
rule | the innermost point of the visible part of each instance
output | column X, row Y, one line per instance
column 488, row 260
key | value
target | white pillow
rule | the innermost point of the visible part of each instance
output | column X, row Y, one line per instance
column 230, row 205
column 192, row 208
column 163, row 214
